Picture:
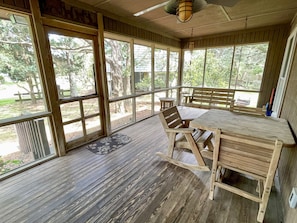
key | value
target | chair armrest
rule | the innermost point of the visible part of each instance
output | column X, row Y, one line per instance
column 181, row 130
column 187, row 119
column 187, row 122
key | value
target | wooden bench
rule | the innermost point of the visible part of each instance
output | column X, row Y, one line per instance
column 212, row 98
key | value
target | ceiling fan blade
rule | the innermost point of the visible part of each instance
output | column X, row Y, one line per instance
column 171, row 7
column 198, row 5
column 228, row 3
column 150, row 9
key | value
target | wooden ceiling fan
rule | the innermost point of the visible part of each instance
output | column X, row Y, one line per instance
column 184, row 9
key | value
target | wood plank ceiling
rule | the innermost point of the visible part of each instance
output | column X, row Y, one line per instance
column 213, row 19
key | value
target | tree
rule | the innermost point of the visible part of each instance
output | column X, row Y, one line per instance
column 70, row 56
column 193, row 68
column 117, row 55
column 160, row 68
column 247, row 63
column 218, row 67
column 17, row 56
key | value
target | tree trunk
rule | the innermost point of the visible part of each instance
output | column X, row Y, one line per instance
column 31, row 90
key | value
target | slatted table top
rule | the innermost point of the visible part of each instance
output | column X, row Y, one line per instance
column 167, row 99
column 254, row 126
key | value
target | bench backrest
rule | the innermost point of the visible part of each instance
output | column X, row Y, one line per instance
column 212, row 98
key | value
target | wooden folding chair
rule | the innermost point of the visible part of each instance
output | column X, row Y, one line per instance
column 181, row 136
column 253, row 157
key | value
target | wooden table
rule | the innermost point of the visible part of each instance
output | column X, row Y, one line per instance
column 250, row 125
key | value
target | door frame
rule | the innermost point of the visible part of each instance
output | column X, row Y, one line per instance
column 98, row 86
column 284, row 74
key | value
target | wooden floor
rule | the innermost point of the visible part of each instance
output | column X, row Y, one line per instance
column 131, row 184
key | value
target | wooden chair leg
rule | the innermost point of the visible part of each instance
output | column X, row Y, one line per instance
column 195, row 149
column 263, row 204
column 269, row 180
column 212, row 180
column 214, row 165
column 171, row 144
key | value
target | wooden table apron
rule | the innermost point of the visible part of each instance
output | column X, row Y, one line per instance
column 249, row 125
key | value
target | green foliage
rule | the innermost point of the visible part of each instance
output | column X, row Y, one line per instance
column 67, row 58
column 160, row 79
column 247, row 67
column 2, row 80
column 73, row 62
column 160, row 60
column 16, row 51
column 117, row 55
column 173, row 68
column 194, row 68
column 3, row 165
column 7, row 101
column 17, row 55
column 218, row 67
column 144, row 84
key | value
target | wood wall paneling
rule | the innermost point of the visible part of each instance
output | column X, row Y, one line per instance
column 62, row 10
column 288, row 162
column 22, row 5
column 114, row 26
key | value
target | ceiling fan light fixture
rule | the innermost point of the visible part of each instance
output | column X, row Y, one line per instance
column 184, row 10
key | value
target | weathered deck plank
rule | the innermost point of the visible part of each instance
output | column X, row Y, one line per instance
column 131, row 184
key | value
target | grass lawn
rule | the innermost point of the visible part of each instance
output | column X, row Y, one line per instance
column 7, row 101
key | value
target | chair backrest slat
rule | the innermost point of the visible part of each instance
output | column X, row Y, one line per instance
column 248, row 110
column 173, row 121
column 170, row 118
column 244, row 153
column 253, row 157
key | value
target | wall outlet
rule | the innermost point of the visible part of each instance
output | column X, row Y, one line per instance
column 293, row 198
